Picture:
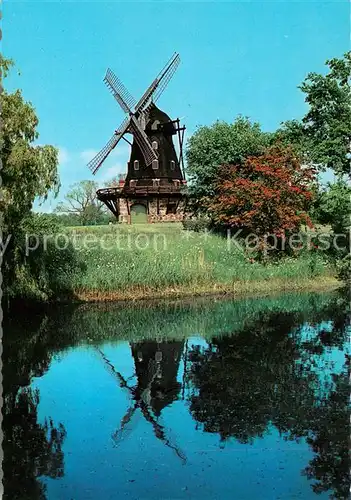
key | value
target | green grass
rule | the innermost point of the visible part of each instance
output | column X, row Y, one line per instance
column 177, row 262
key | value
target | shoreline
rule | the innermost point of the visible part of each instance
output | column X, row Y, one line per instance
column 234, row 290
column 172, row 295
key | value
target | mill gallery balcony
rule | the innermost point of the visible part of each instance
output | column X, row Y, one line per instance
column 176, row 188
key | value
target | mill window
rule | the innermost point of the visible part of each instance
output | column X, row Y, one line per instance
column 136, row 164
column 154, row 125
column 172, row 164
column 154, row 145
column 155, row 164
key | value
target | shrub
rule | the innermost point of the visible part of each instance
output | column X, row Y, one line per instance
column 197, row 224
column 45, row 272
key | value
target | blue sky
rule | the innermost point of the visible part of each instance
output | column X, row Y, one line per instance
column 236, row 58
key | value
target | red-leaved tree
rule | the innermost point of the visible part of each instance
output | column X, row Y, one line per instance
column 266, row 194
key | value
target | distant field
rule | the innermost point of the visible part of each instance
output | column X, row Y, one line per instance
column 126, row 261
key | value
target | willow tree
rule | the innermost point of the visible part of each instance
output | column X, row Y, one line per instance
column 29, row 171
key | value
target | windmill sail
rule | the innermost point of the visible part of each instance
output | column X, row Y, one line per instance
column 139, row 403
column 142, row 141
column 137, row 120
column 97, row 161
column 119, row 91
column 166, row 78
column 160, row 83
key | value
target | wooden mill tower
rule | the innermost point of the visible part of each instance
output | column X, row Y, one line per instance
column 154, row 186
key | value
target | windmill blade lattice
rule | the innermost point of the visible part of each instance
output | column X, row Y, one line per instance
column 119, row 91
column 97, row 161
column 159, row 430
column 159, row 84
column 145, row 98
column 136, row 120
column 122, row 431
column 166, row 78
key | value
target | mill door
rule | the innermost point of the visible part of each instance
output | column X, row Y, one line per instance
column 138, row 214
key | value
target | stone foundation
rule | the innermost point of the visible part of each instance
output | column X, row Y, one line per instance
column 165, row 218
column 156, row 211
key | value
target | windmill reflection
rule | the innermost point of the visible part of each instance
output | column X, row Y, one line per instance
column 156, row 368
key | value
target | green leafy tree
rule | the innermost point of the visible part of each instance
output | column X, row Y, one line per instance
column 324, row 134
column 28, row 172
column 332, row 206
column 210, row 147
column 292, row 134
column 327, row 122
column 81, row 200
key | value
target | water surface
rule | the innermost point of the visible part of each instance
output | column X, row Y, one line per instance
column 213, row 399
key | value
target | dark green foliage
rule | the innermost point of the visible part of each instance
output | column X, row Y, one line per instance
column 28, row 172
column 327, row 122
column 265, row 375
column 210, row 146
column 324, row 134
column 41, row 224
column 68, row 220
column 44, row 260
column 41, row 444
column 32, row 449
column 292, row 134
column 72, row 220
column 332, row 206
column 197, row 224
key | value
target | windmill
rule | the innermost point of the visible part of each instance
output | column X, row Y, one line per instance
column 143, row 397
column 155, row 171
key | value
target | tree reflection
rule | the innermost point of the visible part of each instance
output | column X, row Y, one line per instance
column 270, row 374
column 329, row 438
column 31, row 449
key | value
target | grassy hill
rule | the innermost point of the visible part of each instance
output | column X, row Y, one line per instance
column 163, row 260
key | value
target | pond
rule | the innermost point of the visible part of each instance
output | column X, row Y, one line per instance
column 212, row 399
